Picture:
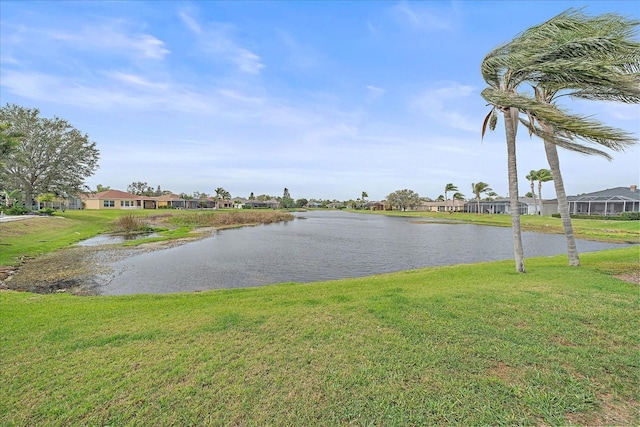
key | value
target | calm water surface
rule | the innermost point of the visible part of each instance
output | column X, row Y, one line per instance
column 322, row 245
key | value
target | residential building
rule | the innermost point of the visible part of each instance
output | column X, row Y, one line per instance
column 612, row 201
column 116, row 199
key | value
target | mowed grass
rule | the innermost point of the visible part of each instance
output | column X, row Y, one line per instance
column 605, row 230
column 460, row 345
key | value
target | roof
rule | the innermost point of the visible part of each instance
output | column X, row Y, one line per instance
column 168, row 197
column 617, row 193
column 114, row 194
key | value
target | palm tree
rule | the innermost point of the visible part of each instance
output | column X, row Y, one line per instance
column 533, row 177
column 447, row 188
column 478, row 188
column 609, row 62
column 543, row 175
column 571, row 54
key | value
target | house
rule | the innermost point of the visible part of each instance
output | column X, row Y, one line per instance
column 497, row 206
column 238, row 202
column 335, row 205
column 116, row 199
column 259, row 204
column 612, row 201
column 441, row 206
column 175, row 201
column 374, row 206
column 223, row 204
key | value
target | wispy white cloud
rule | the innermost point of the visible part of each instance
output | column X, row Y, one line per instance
column 190, row 22
column 135, row 80
column 218, row 40
column 112, row 37
column 375, row 92
column 442, row 103
column 419, row 16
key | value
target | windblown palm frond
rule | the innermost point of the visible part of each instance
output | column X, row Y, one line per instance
column 576, row 126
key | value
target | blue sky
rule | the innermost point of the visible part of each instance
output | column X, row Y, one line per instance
column 326, row 98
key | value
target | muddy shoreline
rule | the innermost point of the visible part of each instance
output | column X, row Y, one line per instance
column 78, row 270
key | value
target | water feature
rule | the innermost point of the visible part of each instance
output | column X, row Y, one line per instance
column 111, row 239
column 322, row 245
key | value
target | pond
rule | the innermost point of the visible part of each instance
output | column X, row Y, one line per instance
column 322, row 245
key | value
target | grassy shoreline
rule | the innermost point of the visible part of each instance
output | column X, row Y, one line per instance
column 588, row 229
column 459, row 345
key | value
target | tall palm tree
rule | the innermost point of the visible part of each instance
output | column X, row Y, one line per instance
column 447, row 188
column 478, row 188
column 543, row 175
column 609, row 66
column 571, row 54
column 533, row 177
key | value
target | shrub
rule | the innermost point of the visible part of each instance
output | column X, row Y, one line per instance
column 47, row 211
column 624, row 216
column 130, row 224
column 16, row 210
column 630, row 216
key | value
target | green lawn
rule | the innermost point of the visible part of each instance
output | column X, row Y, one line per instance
column 459, row 345
column 606, row 230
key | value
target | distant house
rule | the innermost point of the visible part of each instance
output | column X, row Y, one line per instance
column 612, row 201
column 497, row 206
column 238, row 202
column 441, row 206
column 374, row 206
column 266, row 204
column 116, row 199
column 175, row 201
column 223, row 204
column 335, row 205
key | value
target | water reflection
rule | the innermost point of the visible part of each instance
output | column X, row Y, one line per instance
column 111, row 239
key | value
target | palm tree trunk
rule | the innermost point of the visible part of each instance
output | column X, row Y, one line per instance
column 535, row 203
column 510, row 124
column 563, row 206
column 540, row 197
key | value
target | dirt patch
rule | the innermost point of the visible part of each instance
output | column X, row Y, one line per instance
column 79, row 270
column 611, row 413
column 633, row 277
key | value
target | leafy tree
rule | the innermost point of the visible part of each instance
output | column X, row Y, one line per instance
column 300, row 203
column 46, row 198
column 139, row 188
column 11, row 197
column 251, row 196
column 530, row 195
column 286, row 202
column 477, row 188
column 575, row 55
column 447, row 188
column 52, row 156
column 222, row 194
column 403, row 199
column 9, row 140
column 198, row 195
column 100, row 188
